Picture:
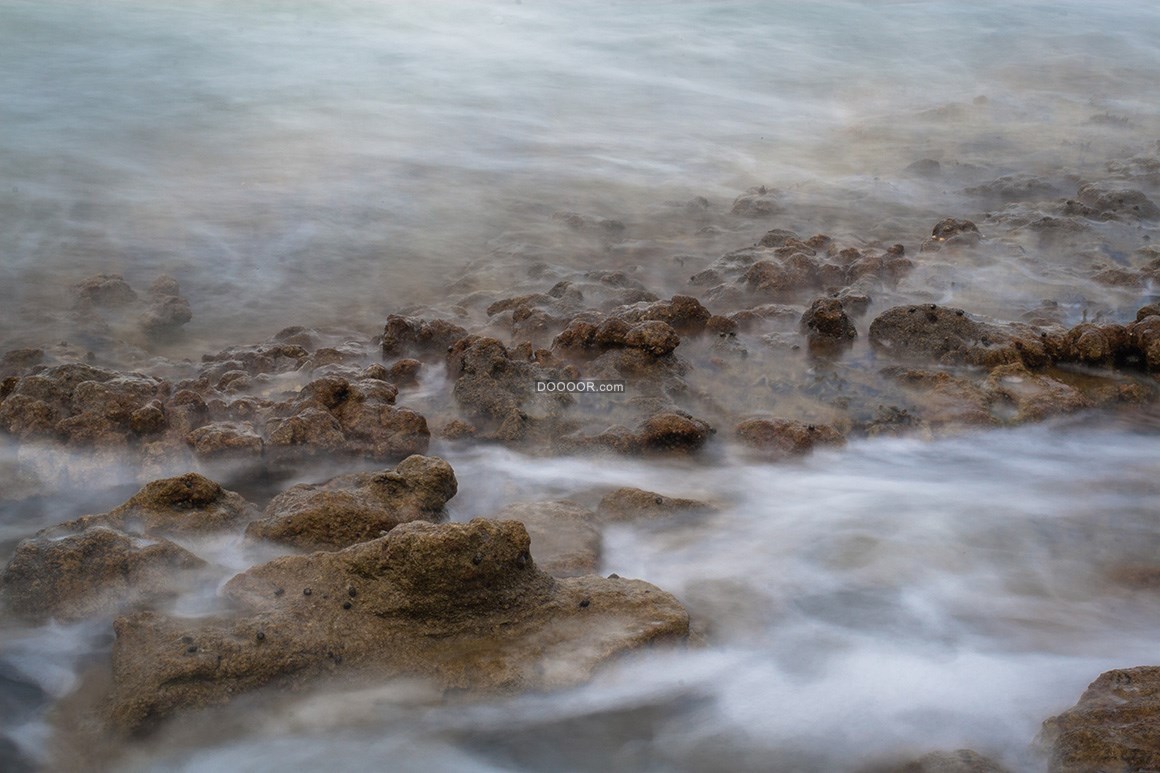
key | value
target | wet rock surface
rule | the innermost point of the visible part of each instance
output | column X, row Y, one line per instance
column 96, row 571
column 628, row 504
column 357, row 507
column 1113, row 726
column 564, row 536
column 463, row 605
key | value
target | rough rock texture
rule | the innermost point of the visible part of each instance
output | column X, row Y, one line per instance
column 165, row 315
column 564, row 538
column 405, row 336
column 96, row 571
column 461, row 604
column 1120, row 203
column 105, row 290
column 79, row 404
column 951, row 232
column 653, row 337
column 950, row 336
column 780, row 438
column 358, row 507
column 757, row 202
column 1113, row 728
column 627, row 504
column 333, row 414
column 673, row 431
column 826, row 321
column 1033, row 397
column 187, row 504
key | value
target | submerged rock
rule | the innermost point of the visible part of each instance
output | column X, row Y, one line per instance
column 626, row 504
column 96, row 571
column 564, row 538
column 105, row 290
column 358, row 507
column 404, row 336
column 781, row 438
column 1115, row 725
column 463, row 605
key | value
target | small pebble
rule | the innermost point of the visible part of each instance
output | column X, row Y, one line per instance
column 260, row 636
column 477, row 559
column 352, row 591
column 191, row 648
column 584, row 603
column 306, row 591
column 346, row 605
column 279, row 591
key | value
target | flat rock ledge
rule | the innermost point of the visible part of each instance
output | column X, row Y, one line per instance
column 463, row 605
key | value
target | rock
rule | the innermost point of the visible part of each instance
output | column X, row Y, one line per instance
column 165, row 315
column 943, row 401
column 1144, row 339
column 683, row 313
column 96, row 571
column 226, row 439
column 187, row 504
column 1033, row 397
column 354, row 417
column 463, row 605
column 627, row 504
column 564, row 539
column 404, row 336
column 950, row 336
column 959, row 761
column 826, row 321
column 17, row 361
column 653, row 337
column 1117, row 202
column 951, row 232
column 164, row 286
column 781, row 438
column 1115, row 725
column 757, row 202
column 673, row 431
column 109, row 290
column 404, row 372
column 358, row 507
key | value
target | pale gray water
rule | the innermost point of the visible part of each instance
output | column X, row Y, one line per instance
column 310, row 163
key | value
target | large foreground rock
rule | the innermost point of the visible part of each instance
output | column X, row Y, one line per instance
column 461, row 604
column 94, row 572
column 1114, row 727
column 359, row 506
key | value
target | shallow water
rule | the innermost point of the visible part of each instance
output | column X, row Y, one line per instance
column 295, row 163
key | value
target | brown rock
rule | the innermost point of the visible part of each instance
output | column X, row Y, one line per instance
column 950, row 336
column 226, row 439
column 105, row 290
column 463, row 605
column 627, row 504
column 166, row 315
column 358, row 507
column 780, row 438
column 673, row 431
column 1118, row 202
column 1115, row 725
column 826, row 319
column 94, row 572
column 403, row 336
column 757, row 202
column 187, row 504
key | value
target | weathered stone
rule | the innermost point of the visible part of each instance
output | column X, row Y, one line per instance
column 946, row 335
column 96, row 571
column 165, row 315
column 673, row 431
column 1115, row 725
column 358, row 507
column 404, row 336
column 757, row 202
column 463, row 605
column 105, row 290
column 826, row 319
column 226, row 439
column 187, row 504
column 780, row 438
column 627, row 504
column 1118, row 202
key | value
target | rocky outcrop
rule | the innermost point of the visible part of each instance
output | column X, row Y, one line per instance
column 1115, row 725
column 463, row 605
column 358, row 507
column 94, row 572
column 357, row 417
column 411, row 336
column 782, row 438
column 952, row 337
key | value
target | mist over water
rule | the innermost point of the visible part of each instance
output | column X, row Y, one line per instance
column 326, row 164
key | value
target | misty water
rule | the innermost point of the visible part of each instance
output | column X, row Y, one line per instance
column 325, row 164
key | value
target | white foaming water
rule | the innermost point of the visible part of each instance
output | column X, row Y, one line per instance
column 892, row 598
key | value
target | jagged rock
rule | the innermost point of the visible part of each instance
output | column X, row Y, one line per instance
column 463, row 605
column 627, row 504
column 226, row 439
column 254, row 360
column 826, row 320
column 96, row 571
column 404, row 336
column 358, row 507
column 105, row 290
column 780, row 438
column 1115, row 725
column 187, row 504
column 355, row 417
